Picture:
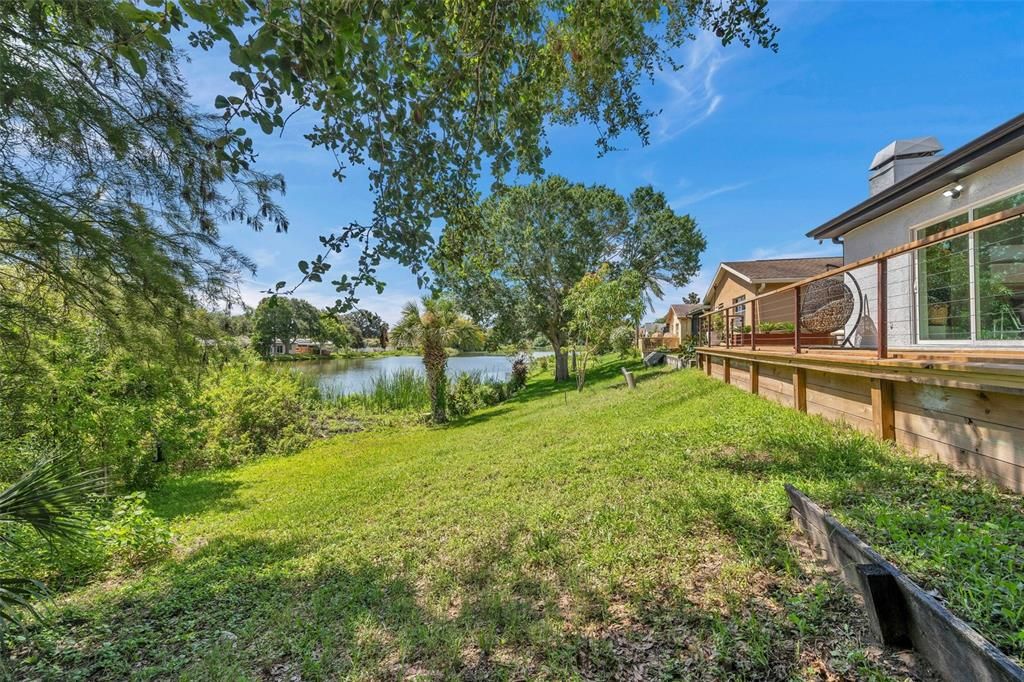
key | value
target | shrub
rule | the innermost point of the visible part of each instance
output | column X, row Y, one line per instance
column 250, row 410
column 490, row 394
column 520, row 370
column 134, row 535
column 464, row 394
column 125, row 534
column 621, row 340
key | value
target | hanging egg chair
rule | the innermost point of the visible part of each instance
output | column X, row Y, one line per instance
column 825, row 305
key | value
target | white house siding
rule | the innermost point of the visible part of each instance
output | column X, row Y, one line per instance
column 899, row 227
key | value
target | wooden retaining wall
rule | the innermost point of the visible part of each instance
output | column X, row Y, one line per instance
column 905, row 612
column 976, row 429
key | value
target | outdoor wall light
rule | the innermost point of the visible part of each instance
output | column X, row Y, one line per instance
column 953, row 192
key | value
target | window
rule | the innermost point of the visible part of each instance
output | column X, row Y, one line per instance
column 944, row 288
column 740, row 311
column 972, row 287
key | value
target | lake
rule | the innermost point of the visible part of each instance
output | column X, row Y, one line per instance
column 343, row 376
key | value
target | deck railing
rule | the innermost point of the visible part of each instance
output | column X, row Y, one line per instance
column 656, row 341
column 962, row 287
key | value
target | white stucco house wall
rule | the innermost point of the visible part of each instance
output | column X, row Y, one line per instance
column 913, row 189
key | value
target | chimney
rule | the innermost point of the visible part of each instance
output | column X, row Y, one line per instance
column 900, row 159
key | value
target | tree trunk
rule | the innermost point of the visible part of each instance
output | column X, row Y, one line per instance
column 561, row 365
column 434, row 360
column 561, row 358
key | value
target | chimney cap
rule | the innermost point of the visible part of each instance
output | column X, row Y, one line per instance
column 902, row 149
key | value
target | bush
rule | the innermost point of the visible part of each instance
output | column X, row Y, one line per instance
column 464, row 394
column 126, row 534
column 251, row 409
column 621, row 340
column 134, row 535
column 520, row 370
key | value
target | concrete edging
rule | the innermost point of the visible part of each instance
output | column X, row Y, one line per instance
column 898, row 609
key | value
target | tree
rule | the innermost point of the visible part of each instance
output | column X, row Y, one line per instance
column 284, row 319
column 334, row 330
column 435, row 328
column 112, row 187
column 425, row 93
column 658, row 244
column 693, row 298
column 599, row 304
column 511, row 263
column 369, row 324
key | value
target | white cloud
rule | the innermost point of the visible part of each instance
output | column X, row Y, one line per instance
column 701, row 195
column 693, row 95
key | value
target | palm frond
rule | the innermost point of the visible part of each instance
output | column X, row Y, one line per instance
column 17, row 597
column 49, row 496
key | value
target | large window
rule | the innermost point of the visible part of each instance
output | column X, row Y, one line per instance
column 944, row 287
column 971, row 288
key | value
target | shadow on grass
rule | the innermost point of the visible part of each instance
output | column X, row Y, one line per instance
column 195, row 494
column 479, row 417
column 519, row 606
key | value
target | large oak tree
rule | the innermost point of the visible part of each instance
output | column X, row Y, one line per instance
column 426, row 95
column 511, row 262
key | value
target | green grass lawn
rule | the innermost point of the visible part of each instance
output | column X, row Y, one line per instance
column 609, row 534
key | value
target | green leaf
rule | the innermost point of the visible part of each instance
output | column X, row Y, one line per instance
column 221, row 102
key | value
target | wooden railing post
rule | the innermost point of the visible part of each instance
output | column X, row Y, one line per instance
column 796, row 319
column 882, row 323
column 753, row 324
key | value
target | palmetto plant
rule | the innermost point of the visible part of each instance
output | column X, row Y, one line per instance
column 48, row 499
column 435, row 327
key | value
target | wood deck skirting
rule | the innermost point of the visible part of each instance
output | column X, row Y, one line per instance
column 962, row 408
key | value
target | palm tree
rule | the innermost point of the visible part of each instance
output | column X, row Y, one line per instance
column 434, row 328
column 48, row 499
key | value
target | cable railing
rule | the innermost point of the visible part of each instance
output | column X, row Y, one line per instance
column 959, row 288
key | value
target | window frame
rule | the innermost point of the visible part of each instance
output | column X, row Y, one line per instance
column 972, row 283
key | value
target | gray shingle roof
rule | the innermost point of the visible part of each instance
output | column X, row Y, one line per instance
column 783, row 268
column 685, row 309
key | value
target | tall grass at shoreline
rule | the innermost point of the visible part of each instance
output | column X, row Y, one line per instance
column 404, row 390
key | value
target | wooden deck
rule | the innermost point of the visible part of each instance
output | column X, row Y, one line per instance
column 962, row 407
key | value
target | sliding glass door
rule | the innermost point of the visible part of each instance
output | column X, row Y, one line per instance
column 971, row 288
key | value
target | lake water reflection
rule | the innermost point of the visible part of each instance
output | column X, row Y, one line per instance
column 345, row 376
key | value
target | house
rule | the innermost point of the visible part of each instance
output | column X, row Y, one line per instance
column 653, row 335
column 682, row 320
column 919, row 336
column 736, row 282
column 301, row 346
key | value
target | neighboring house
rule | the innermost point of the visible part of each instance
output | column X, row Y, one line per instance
column 301, row 346
column 736, row 282
column 682, row 319
column 649, row 329
column 654, row 335
column 927, row 311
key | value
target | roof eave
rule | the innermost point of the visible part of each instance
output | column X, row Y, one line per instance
column 994, row 146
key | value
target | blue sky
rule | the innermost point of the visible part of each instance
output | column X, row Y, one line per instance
column 758, row 147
